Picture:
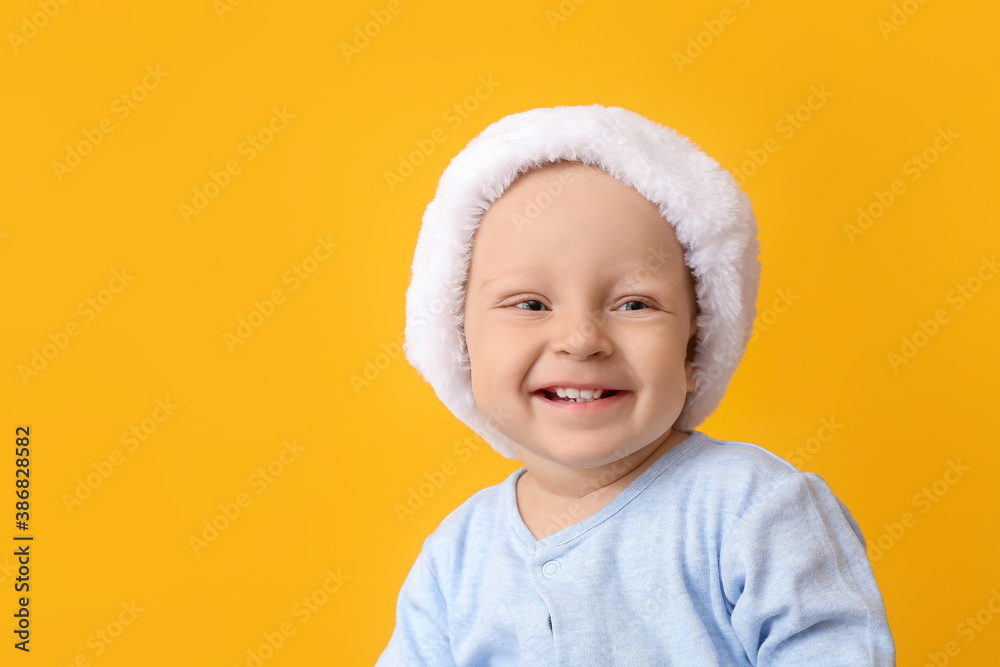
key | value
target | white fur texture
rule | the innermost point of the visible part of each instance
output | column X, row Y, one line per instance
column 711, row 216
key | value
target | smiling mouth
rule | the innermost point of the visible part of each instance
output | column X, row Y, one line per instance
column 586, row 397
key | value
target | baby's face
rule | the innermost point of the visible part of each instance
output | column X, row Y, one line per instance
column 584, row 290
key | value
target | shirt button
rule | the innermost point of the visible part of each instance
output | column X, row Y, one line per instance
column 551, row 568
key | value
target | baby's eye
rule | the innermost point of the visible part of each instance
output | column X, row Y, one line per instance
column 636, row 305
column 531, row 304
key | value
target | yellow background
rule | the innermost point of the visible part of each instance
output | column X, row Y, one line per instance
column 323, row 175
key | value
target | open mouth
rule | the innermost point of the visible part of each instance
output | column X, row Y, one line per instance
column 569, row 395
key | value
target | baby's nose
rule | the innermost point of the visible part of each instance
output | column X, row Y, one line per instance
column 581, row 333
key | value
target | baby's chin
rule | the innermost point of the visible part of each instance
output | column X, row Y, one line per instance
column 575, row 455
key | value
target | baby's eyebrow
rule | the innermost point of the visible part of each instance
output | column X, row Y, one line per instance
column 482, row 285
column 493, row 278
column 627, row 276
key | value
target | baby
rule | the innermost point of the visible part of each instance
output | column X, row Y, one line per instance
column 583, row 290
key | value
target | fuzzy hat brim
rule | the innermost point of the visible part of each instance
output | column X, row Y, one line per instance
column 711, row 216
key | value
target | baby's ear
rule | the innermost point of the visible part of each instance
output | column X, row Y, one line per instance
column 689, row 360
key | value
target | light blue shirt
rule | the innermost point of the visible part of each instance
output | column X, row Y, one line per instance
column 719, row 553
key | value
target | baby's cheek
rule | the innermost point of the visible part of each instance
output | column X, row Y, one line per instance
column 658, row 345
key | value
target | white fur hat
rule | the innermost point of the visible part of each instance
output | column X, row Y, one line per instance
column 711, row 216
